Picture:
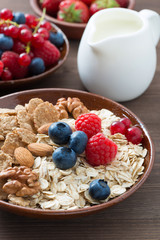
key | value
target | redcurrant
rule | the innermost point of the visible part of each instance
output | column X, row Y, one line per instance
column 25, row 35
column 1, row 67
column 134, row 135
column 117, row 127
column 44, row 33
column 6, row 75
column 6, row 14
column 24, row 59
column 31, row 20
column 37, row 40
column 127, row 122
column 46, row 25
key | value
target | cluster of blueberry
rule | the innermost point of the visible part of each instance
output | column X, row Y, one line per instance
column 66, row 157
column 29, row 42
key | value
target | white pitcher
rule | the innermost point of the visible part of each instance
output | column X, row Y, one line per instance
column 117, row 52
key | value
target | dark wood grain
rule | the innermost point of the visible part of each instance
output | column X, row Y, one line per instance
column 136, row 218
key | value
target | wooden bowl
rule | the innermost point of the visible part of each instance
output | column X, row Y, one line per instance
column 72, row 30
column 29, row 80
column 92, row 101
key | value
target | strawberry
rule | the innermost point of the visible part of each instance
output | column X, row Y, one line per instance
column 48, row 52
column 73, row 11
column 102, row 4
column 51, row 6
column 123, row 3
column 10, row 61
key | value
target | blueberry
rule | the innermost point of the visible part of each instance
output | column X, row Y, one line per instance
column 64, row 158
column 1, row 53
column 78, row 141
column 36, row 66
column 6, row 43
column 99, row 189
column 59, row 132
column 56, row 38
column 19, row 18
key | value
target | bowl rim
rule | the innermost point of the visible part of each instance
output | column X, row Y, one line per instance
column 47, row 72
column 35, row 6
column 95, row 208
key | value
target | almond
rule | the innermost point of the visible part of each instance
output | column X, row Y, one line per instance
column 44, row 128
column 24, row 157
column 40, row 149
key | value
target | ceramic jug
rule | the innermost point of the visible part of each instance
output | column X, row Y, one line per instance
column 117, row 52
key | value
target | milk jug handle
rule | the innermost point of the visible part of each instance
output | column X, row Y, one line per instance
column 154, row 22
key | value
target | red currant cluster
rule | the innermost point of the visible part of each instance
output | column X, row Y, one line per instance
column 23, row 37
column 124, row 126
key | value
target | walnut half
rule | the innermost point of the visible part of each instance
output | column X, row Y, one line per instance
column 22, row 181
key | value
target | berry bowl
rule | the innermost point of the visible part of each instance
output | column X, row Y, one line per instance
column 72, row 30
column 76, row 102
column 30, row 49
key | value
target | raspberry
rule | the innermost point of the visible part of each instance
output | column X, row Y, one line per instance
column 48, row 52
column 100, row 150
column 18, row 47
column 89, row 123
column 10, row 61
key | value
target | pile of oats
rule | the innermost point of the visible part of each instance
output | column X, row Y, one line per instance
column 64, row 189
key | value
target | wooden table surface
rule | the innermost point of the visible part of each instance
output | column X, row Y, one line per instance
column 138, row 217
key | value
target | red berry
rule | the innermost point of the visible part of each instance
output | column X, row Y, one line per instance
column 6, row 31
column 123, row 3
column 31, row 20
column 23, row 26
column 31, row 54
column 18, row 47
column 46, row 25
column 44, row 33
column 6, row 75
column 127, row 122
column 25, row 35
column 1, row 67
column 6, row 14
column 37, row 40
column 100, row 150
column 48, row 52
column 134, row 135
column 89, row 123
column 117, row 127
column 2, row 26
column 24, row 59
column 10, row 61
column 13, row 31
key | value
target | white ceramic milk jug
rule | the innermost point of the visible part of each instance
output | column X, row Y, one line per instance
column 117, row 52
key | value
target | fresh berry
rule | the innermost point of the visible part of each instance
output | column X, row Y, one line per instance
column 1, row 53
column 78, row 141
column 25, row 35
column 6, row 43
column 117, row 127
column 51, row 6
column 19, row 18
column 134, row 135
column 99, row 189
column 31, row 20
column 101, row 4
column 18, row 47
column 48, row 52
column 56, row 38
column 60, row 132
column 44, row 33
column 24, row 59
column 64, row 158
column 37, row 66
column 46, row 25
column 6, row 14
column 89, row 123
column 73, row 11
column 10, row 61
column 23, row 26
column 6, row 75
column 13, row 31
column 6, row 31
column 100, row 150
column 1, row 67
column 126, row 121
column 123, row 3
column 2, row 26
column 37, row 40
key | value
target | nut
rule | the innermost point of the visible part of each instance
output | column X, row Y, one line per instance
column 24, row 157
column 40, row 149
column 44, row 128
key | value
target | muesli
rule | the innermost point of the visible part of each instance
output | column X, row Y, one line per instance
column 28, row 175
